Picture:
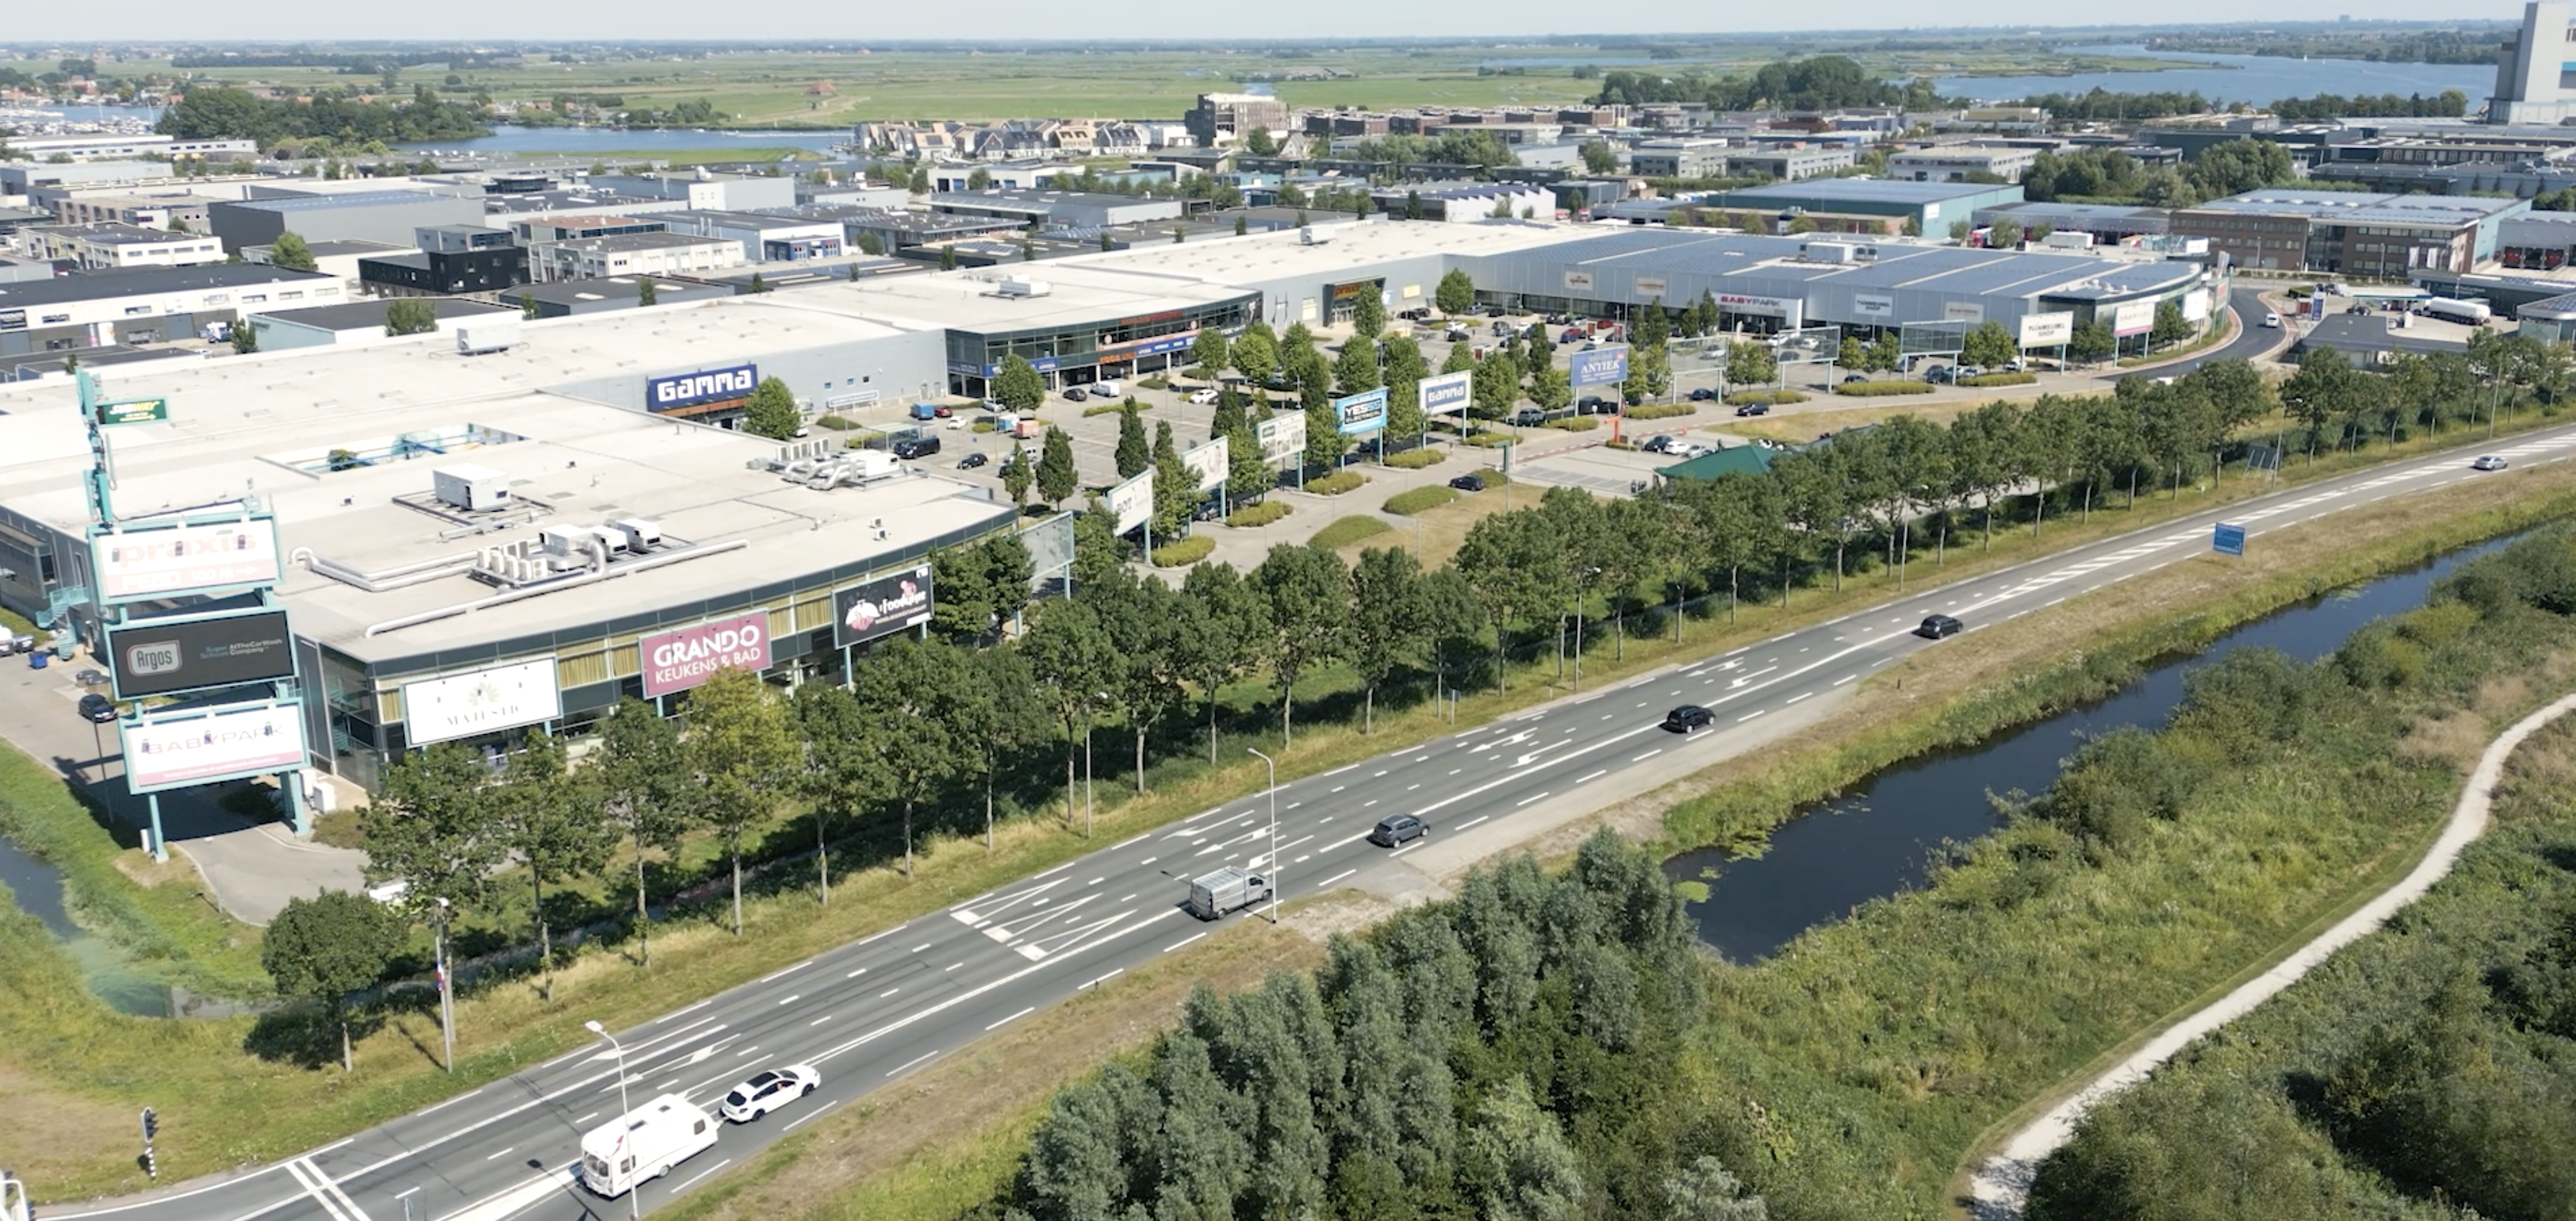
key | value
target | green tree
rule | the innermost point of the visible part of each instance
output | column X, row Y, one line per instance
column 1506, row 561
column 1308, row 596
column 1217, row 625
column 328, row 946
column 908, row 717
column 528, row 307
column 1519, row 1160
column 1385, row 607
column 1368, row 318
column 1325, row 443
column 1599, row 159
column 1550, row 389
column 1852, row 355
column 1494, row 386
column 1070, row 660
column 554, row 823
column 840, row 780
column 1404, row 374
column 1057, row 479
column 2091, row 343
column 1456, row 294
column 1750, row 363
column 2325, row 381
column 772, row 411
column 245, row 337
column 1019, row 386
column 1176, row 492
column 1018, row 475
column 2170, row 328
column 290, row 252
column 1256, row 354
column 411, row 316
column 1134, row 455
column 643, row 793
column 435, row 826
column 1988, row 344
column 744, row 752
column 758, row 284
column 1208, row 351
column 645, row 292
column 1704, row 1191
column 1356, row 369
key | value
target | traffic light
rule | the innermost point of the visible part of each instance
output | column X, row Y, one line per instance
column 151, row 1168
column 151, row 1125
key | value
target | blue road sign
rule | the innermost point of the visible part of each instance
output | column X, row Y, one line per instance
column 1598, row 367
column 2227, row 539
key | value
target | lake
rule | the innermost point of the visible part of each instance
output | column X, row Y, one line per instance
column 2260, row 79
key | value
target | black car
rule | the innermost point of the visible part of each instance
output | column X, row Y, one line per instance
column 1075, row 394
column 1658, row 444
column 1458, row 334
column 971, row 461
column 97, row 709
column 1702, row 394
column 1754, row 409
column 1688, row 717
column 1937, row 627
column 1472, row 481
column 916, row 447
column 1593, row 404
column 1854, row 379
column 1398, row 828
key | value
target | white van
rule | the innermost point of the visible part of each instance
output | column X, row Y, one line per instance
column 642, row 1145
column 1107, row 390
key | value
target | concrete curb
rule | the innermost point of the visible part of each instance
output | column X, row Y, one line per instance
column 1999, row 1188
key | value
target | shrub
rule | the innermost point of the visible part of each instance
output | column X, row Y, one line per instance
column 1197, row 373
column 1871, row 390
column 1187, row 551
column 1349, row 530
column 1661, row 411
column 2000, row 379
column 1112, row 408
column 1154, row 381
column 1405, row 504
column 986, row 426
column 1416, row 459
column 1336, row 483
column 836, row 423
column 1492, row 440
column 1261, row 514
column 1768, row 398
column 1574, row 423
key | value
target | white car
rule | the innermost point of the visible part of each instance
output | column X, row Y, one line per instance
column 2489, row 462
column 2272, row 321
column 769, row 1090
column 1203, row 397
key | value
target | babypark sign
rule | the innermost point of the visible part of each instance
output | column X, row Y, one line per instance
column 677, row 661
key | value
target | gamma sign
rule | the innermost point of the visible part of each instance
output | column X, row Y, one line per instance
column 134, row 411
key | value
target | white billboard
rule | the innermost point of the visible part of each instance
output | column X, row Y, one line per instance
column 2047, row 330
column 1447, row 394
column 480, row 701
column 1874, row 307
column 204, row 747
column 2195, row 306
column 1208, row 464
column 1131, row 503
column 1282, row 436
column 133, row 564
column 2134, row 318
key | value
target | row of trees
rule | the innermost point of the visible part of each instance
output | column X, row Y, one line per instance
column 212, row 113
column 1823, row 82
column 2099, row 105
column 1502, row 1056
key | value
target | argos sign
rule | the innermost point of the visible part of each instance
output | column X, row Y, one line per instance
column 677, row 661
column 684, row 390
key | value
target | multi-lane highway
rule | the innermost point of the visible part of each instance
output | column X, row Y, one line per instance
column 874, row 1011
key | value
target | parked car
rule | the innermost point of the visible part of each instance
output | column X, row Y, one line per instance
column 2489, row 462
column 1529, row 417
column 1505, row 330
column 1941, row 374
column 1074, row 394
column 1658, row 444
column 1472, row 481
column 1687, row 718
column 2011, row 366
column 1413, row 315
column 1396, row 829
column 1964, row 372
column 1107, row 390
column 971, row 461
column 1855, row 379
column 916, row 447
column 1686, row 449
column 1204, row 396
column 1754, row 409
column 1570, row 336
column 1458, row 334
column 1702, row 394
column 97, row 709
column 1593, row 404
column 1937, row 627
column 769, row 1090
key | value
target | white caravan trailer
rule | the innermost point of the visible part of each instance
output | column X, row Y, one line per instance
column 643, row 1144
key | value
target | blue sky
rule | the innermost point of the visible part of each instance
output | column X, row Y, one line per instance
column 1034, row 19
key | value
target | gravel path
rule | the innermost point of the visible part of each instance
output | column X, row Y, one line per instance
column 1999, row 1188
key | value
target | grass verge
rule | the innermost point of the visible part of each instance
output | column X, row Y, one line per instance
column 1349, row 530
column 1415, row 500
column 1877, row 390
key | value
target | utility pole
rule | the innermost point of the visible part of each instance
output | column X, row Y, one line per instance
column 1273, row 767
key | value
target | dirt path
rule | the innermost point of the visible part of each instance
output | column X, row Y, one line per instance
column 1999, row 1188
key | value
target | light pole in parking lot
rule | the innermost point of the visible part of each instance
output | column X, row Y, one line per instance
column 634, row 1210
column 1273, row 765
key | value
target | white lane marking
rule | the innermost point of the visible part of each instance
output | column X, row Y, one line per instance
column 1099, row 980
column 855, row 974
column 307, row 1178
column 818, row 1021
column 775, row 974
column 489, row 1157
column 452, row 1101
column 517, row 1199
column 693, row 1179
column 1594, row 776
column 1648, row 755
column 816, row 1112
column 677, row 1012
column 1182, row 942
column 1844, row 679
column 1795, row 698
column 1408, row 847
column 1750, row 715
column 1138, row 840
column 1335, row 878
column 888, row 933
column 1471, row 822
column 1013, row 1018
column 792, row 1000
column 1526, row 800
column 915, row 1062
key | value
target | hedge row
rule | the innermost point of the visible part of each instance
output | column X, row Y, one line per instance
column 1407, row 503
column 1261, row 514
column 1871, row 390
column 1187, row 551
column 1336, row 483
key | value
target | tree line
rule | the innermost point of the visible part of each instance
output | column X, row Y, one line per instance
column 1503, row 1056
column 1822, row 82
column 224, row 113
column 2409, row 47
column 2099, row 105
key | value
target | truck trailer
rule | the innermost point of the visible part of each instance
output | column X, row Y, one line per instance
column 1228, row 889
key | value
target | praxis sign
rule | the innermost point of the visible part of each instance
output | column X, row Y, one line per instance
column 680, row 391
column 677, row 661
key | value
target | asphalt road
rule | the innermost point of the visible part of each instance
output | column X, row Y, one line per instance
column 2252, row 340
column 873, row 1011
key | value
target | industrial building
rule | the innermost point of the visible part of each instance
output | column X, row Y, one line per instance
column 2344, row 233
column 2532, row 84
column 702, row 189
column 1059, row 209
column 1684, row 158
column 149, row 211
column 1791, row 162
column 600, row 258
column 109, row 246
column 102, row 309
column 1867, row 205
column 1962, row 163
column 374, row 216
column 2106, row 222
column 763, row 238
column 1226, row 118
column 351, row 324
column 573, row 297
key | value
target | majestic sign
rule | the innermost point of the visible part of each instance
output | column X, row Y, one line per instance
column 134, row 411
column 684, row 390
column 166, row 561
column 480, row 701
column 2134, row 318
column 1131, row 504
column 1282, row 436
column 1598, row 367
column 2047, row 330
column 1361, row 413
column 203, row 747
column 1447, row 394
column 1208, row 464
column 159, row 656
column 677, row 661
column 1578, row 281
column 1874, row 307
column 881, row 607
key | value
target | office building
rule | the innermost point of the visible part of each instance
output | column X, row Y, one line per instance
column 1227, row 118
column 2346, row 233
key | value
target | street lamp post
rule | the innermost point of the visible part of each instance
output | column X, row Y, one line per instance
column 446, row 993
column 633, row 1209
column 1273, row 766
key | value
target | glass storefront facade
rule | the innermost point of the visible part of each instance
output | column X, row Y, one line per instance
column 1079, row 355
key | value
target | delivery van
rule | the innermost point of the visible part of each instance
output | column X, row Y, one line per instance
column 1228, row 889
column 642, row 1145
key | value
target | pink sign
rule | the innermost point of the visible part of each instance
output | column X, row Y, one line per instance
column 677, row 661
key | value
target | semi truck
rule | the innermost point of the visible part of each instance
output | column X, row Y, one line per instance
column 2466, row 313
column 1228, row 889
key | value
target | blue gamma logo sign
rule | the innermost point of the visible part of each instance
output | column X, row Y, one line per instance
column 683, row 390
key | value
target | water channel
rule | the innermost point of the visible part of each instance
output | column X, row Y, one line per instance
column 38, row 890
column 2259, row 79
column 1880, row 838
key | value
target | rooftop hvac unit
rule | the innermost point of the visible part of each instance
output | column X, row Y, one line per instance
column 1826, row 252
column 476, row 489
column 486, row 335
column 642, row 534
column 1306, row 236
column 568, row 542
column 1022, row 286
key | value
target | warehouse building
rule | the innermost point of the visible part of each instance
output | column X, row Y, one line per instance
column 763, row 238
column 373, row 216
column 1032, row 209
column 2108, row 223
column 352, row 323
column 2343, row 233
column 1962, row 163
column 109, row 246
column 1866, row 205
column 640, row 254
column 573, row 297
column 150, row 305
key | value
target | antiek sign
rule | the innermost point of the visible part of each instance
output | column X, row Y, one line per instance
column 684, row 390
column 677, row 661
